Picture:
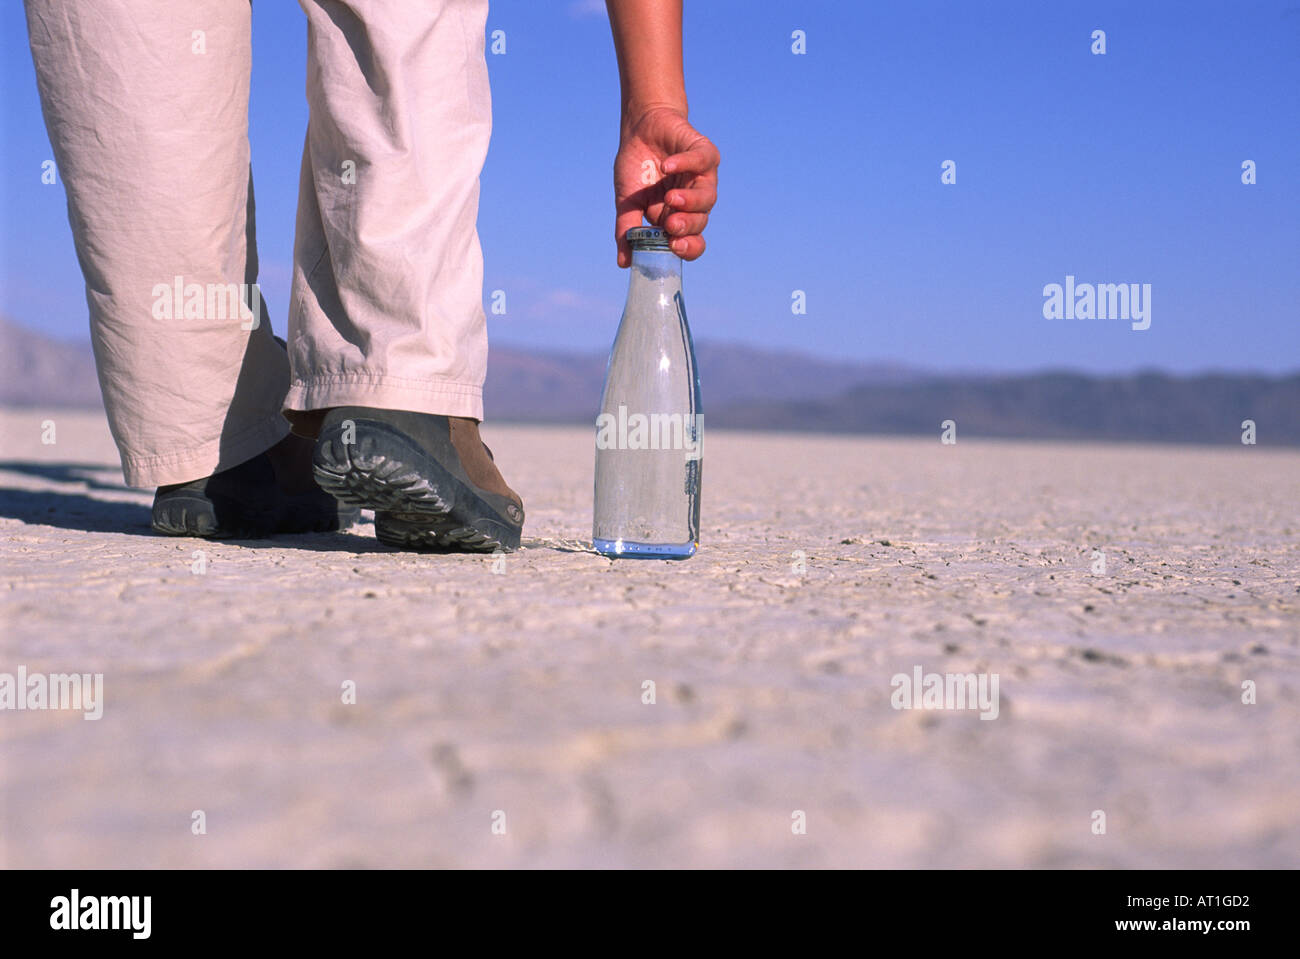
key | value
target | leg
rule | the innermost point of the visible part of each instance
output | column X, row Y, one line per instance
column 388, row 275
column 387, row 337
column 146, row 104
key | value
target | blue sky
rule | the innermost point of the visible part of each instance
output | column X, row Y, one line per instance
column 1122, row 168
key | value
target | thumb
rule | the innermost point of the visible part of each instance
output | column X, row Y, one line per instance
column 629, row 216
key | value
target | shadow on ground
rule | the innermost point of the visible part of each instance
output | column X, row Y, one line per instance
column 76, row 510
column 70, row 509
column 63, row 473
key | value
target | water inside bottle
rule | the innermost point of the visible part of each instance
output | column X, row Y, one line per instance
column 650, row 429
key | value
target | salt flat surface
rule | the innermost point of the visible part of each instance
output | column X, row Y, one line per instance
column 828, row 565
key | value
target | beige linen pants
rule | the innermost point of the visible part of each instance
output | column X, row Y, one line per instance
column 146, row 104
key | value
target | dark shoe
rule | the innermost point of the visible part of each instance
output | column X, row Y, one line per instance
column 245, row 502
column 429, row 479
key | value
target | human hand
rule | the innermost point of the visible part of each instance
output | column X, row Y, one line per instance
column 667, row 172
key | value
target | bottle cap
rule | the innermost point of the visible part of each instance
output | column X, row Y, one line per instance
column 648, row 238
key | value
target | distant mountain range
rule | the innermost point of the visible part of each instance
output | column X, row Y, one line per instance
column 745, row 387
column 556, row 387
column 36, row 370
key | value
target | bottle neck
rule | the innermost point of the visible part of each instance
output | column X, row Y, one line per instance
column 658, row 267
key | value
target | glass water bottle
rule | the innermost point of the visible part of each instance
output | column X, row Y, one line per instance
column 649, row 431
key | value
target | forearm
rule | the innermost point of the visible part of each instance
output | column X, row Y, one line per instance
column 648, row 40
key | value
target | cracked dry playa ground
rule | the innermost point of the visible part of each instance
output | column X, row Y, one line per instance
column 522, row 691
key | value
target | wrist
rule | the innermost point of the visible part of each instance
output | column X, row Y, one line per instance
column 637, row 110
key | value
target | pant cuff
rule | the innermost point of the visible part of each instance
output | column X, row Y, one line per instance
column 381, row 391
column 220, row 454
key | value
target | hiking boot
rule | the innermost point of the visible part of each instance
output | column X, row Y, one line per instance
column 430, row 480
column 247, row 502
